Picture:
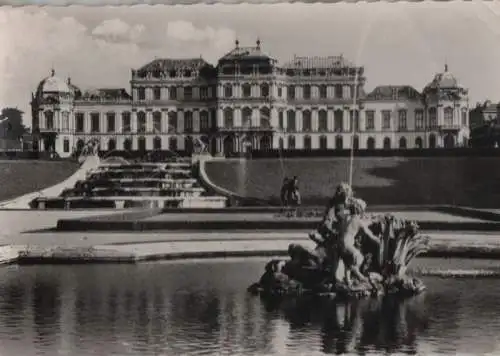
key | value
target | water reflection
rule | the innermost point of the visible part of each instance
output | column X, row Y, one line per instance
column 195, row 309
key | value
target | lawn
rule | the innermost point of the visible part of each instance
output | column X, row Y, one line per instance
column 467, row 181
column 26, row 176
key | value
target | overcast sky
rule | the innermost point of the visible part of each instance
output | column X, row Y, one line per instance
column 398, row 43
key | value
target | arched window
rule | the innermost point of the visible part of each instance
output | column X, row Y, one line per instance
column 354, row 120
column 307, row 91
column 290, row 121
column 246, row 114
column 402, row 143
column 322, row 121
column 127, row 144
column 370, row 143
column 111, row 145
column 157, row 143
column 247, row 90
column 307, row 142
column 228, row 118
column 291, row 142
column 387, row 143
column 323, row 142
column 306, row 121
column 448, row 117
column 418, row 143
column 339, row 143
column 141, row 122
column 141, row 144
column 432, row 141
column 355, row 143
column 265, row 143
column 265, row 118
column 432, row 118
column 172, row 121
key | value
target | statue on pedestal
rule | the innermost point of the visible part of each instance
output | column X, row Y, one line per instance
column 355, row 255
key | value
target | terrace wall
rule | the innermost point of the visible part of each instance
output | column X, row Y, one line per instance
column 455, row 180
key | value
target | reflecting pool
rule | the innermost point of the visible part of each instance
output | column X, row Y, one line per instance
column 202, row 308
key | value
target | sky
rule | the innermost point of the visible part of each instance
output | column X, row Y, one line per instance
column 397, row 43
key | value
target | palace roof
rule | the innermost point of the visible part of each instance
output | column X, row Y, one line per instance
column 53, row 84
column 252, row 52
column 107, row 94
column 444, row 80
column 166, row 64
column 318, row 62
column 394, row 92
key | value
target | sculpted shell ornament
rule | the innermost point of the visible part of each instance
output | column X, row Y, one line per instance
column 323, row 272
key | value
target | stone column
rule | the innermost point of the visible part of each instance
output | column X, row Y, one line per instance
column 298, row 120
column 237, row 117
column 255, row 117
column 330, row 120
column 180, row 120
column 274, row 117
column 347, row 120
column 196, row 120
column 314, row 119
column 220, row 118
column 149, row 121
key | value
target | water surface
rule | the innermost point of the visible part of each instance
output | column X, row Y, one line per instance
column 202, row 308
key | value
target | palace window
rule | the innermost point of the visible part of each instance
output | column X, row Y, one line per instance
column 203, row 92
column 228, row 118
column 291, row 92
column 49, row 120
column 355, row 143
column 157, row 127
column 141, row 122
column 290, row 121
column 386, row 120
column 172, row 144
column 387, row 143
column 80, row 122
column 127, row 144
column 141, row 92
column 448, row 117
column 419, row 119
column 338, row 120
column 280, row 120
column 464, row 117
column 228, row 91
column 157, row 93
column 66, row 145
column 110, row 118
column 323, row 142
column 281, row 143
column 432, row 141
column 402, row 124
column 323, row 92
column 354, row 120
column 126, row 122
column 339, row 143
column 291, row 142
column 264, row 90
column 339, row 91
column 265, row 118
column 246, row 114
column 141, row 144
column 188, row 121
column 188, row 93
column 307, row 91
column 280, row 92
column 95, row 122
column 402, row 143
column 322, row 121
column 418, row 142
column 65, row 121
column 247, row 90
column 370, row 120
column 370, row 143
column 306, row 121
column 172, row 121
column 111, row 145
column 172, row 93
column 157, row 143
column 204, row 122
column 307, row 142
column 432, row 118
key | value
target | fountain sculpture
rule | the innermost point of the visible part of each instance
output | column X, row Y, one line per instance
column 356, row 255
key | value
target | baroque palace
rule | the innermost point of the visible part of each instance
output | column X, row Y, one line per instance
column 249, row 101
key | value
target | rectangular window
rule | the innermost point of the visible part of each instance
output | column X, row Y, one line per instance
column 110, row 118
column 66, row 145
column 280, row 92
column 204, row 122
column 188, row 121
column 419, row 119
column 157, row 93
column 280, row 120
column 323, row 91
column 94, row 122
column 141, row 93
column 386, row 120
column 203, row 92
column 370, row 120
column 338, row 121
column 291, row 92
column 126, row 127
column 172, row 93
column 188, row 93
column 307, row 92
column 80, row 122
column 402, row 124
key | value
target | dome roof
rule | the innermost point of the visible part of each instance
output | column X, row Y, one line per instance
column 53, row 84
column 444, row 80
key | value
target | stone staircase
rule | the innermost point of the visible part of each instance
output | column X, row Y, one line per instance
column 169, row 184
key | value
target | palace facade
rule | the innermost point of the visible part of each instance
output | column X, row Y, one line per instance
column 249, row 101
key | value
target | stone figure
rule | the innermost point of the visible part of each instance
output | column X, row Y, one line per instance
column 355, row 255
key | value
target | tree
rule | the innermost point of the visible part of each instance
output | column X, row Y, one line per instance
column 11, row 124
